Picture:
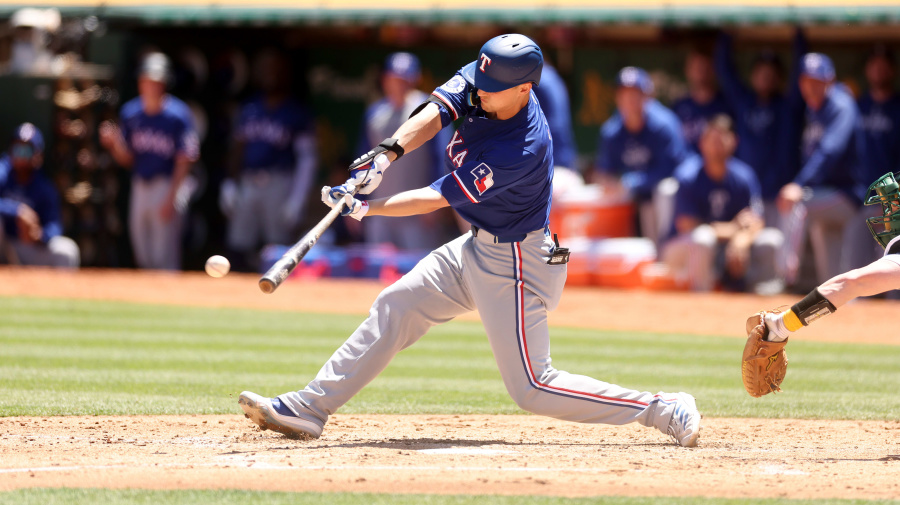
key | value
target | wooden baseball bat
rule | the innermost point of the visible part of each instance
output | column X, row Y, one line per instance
column 282, row 268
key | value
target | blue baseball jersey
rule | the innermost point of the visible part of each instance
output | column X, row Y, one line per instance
column 269, row 134
column 39, row 194
column 694, row 116
column 828, row 143
column 711, row 201
column 878, row 140
column 156, row 140
column 554, row 99
column 501, row 172
column 646, row 157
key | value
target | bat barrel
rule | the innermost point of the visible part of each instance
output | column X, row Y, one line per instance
column 282, row 268
column 280, row 271
column 267, row 286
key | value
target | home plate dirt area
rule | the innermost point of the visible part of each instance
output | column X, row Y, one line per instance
column 453, row 454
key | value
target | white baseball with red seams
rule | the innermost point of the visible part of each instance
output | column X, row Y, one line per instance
column 218, row 266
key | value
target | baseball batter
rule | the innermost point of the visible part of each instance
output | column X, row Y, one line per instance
column 508, row 268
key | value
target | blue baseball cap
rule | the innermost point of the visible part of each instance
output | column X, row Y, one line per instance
column 28, row 133
column 156, row 67
column 635, row 77
column 817, row 66
column 403, row 65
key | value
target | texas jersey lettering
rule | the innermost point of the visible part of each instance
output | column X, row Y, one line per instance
column 487, row 166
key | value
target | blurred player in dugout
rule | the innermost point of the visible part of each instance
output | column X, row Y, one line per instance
column 820, row 200
column 639, row 148
column 878, row 145
column 766, row 119
column 157, row 141
column 274, row 161
column 553, row 95
column 399, row 79
column 30, row 227
column 718, row 237
column 703, row 100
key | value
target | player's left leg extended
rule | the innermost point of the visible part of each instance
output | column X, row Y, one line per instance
column 517, row 288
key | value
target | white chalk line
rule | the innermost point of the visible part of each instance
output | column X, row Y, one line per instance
column 268, row 466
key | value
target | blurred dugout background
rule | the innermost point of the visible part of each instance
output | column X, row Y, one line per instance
column 83, row 57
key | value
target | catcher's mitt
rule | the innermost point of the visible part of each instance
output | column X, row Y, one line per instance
column 765, row 363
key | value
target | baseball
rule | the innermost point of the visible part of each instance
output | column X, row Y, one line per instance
column 217, row 266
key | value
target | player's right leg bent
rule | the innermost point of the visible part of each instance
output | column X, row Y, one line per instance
column 432, row 293
column 517, row 288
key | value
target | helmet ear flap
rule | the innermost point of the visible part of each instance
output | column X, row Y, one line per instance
column 473, row 98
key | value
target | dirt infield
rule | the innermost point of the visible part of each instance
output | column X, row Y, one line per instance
column 454, row 454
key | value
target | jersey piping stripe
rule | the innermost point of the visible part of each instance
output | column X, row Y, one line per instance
column 447, row 104
column 463, row 188
column 526, row 362
column 891, row 244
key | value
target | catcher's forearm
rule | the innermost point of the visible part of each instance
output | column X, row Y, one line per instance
column 811, row 307
column 781, row 324
column 877, row 277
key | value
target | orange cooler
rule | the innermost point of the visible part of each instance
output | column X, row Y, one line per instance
column 618, row 261
column 586, row 212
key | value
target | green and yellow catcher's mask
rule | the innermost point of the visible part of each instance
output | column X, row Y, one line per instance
column 885, row 192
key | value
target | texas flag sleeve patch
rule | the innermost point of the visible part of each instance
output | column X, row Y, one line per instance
column 484, row 178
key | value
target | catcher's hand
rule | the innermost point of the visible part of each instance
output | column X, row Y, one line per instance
column 764, row 363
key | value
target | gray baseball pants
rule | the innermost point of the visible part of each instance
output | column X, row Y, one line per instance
column 513, row 288
column 259, row 211
column 156, row 243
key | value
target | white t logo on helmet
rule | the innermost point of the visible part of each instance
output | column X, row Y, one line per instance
column 485, row 61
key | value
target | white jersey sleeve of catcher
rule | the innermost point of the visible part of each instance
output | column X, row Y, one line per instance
column 892, row 251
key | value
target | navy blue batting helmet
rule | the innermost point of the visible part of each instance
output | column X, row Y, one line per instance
column 506, row 61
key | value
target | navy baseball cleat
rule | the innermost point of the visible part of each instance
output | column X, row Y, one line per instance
column 684, row 426
column 271, row 414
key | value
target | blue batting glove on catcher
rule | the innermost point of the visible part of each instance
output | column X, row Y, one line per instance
column 342, row 195
column 367, row 177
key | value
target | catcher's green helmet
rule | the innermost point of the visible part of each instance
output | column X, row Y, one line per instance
column 886, row 192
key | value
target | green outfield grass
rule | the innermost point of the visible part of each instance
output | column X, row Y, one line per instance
column 60, row 357
column 137, row 497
